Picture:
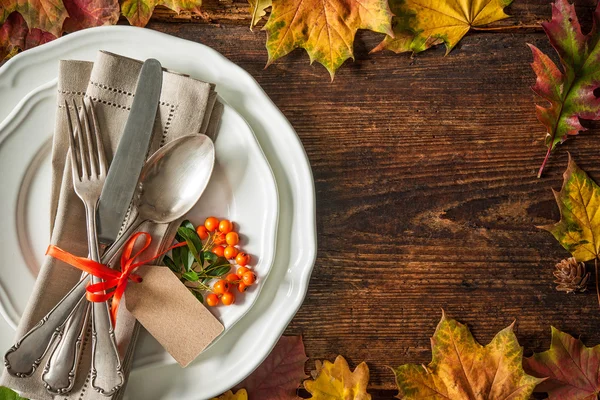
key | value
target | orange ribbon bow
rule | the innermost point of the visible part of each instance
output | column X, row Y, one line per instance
column 113, row 279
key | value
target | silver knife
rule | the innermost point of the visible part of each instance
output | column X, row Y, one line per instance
column 25, row 356
column 117, row 195
column 129, row 159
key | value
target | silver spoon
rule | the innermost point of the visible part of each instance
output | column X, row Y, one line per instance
column 171, row 183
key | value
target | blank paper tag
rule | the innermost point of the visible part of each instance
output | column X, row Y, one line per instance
column 173, row 315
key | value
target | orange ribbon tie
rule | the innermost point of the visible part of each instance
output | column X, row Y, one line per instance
column 112, row 279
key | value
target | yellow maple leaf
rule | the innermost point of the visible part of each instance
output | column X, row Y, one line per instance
column 138, row 12
column 578, row 230
column 324, row 28
column 239, row 395
column 336, row 381
column 420, row 24
column 257, row 10
column 461, row 368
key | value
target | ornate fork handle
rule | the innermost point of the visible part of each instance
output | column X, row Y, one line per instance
column 60, row 370
column 106, row 370
column 22, row 359
column 89, row 170
column 25, row 356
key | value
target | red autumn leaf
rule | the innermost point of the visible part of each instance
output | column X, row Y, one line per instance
column 89, row 13
column 37, row 37
column 29, row 23
column 570, row 92
column 14, row 35
column 46, row 15
column 572, row 369
column 278, row 377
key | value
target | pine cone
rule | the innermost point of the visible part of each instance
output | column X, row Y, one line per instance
column 571, row 276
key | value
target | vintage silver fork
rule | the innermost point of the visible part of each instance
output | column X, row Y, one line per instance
column 89, row 168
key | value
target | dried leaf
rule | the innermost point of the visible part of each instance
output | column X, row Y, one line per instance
column 239, row 395
column 14, row 36
column 182, row 5
column 89, row 13
column 420, row 24
column 325, row 28
column 138, row 12
column 46, row 15
column 37, row 37
column 257, row 10
column 578, row 230
column 278, row 377
column 570, row 92
column 336, row 382
column 573, row 370
column 35, row 22
column 463, row 369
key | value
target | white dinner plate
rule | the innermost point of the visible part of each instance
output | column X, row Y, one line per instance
column 243, row 347
column 27, row 187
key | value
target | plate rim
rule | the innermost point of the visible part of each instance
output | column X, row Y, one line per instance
column 306, row 195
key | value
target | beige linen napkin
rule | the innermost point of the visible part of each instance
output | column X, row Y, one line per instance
column 187, row 106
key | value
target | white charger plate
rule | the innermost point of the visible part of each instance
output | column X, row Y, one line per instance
column 27, row 188
column 243, row 347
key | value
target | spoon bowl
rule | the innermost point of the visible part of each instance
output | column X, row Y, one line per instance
column 171, row 183
column 174, row 178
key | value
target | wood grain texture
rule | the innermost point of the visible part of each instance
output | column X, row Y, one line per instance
column 426, row 192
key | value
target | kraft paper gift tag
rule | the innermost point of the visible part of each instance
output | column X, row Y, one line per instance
column 164, row 306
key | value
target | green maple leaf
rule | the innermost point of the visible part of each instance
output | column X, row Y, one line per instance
column 7, row 394
column 570, row 92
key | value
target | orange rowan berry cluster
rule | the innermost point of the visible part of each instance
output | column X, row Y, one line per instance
column 225, row 241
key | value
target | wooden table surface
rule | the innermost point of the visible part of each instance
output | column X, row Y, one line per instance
column 427, row 196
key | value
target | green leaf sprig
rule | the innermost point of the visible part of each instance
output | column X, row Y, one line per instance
column 195, row 264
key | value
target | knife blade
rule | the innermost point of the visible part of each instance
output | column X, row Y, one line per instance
column 131, row 153
column 118, row 191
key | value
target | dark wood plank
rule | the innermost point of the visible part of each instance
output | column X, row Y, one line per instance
column 426, row 193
